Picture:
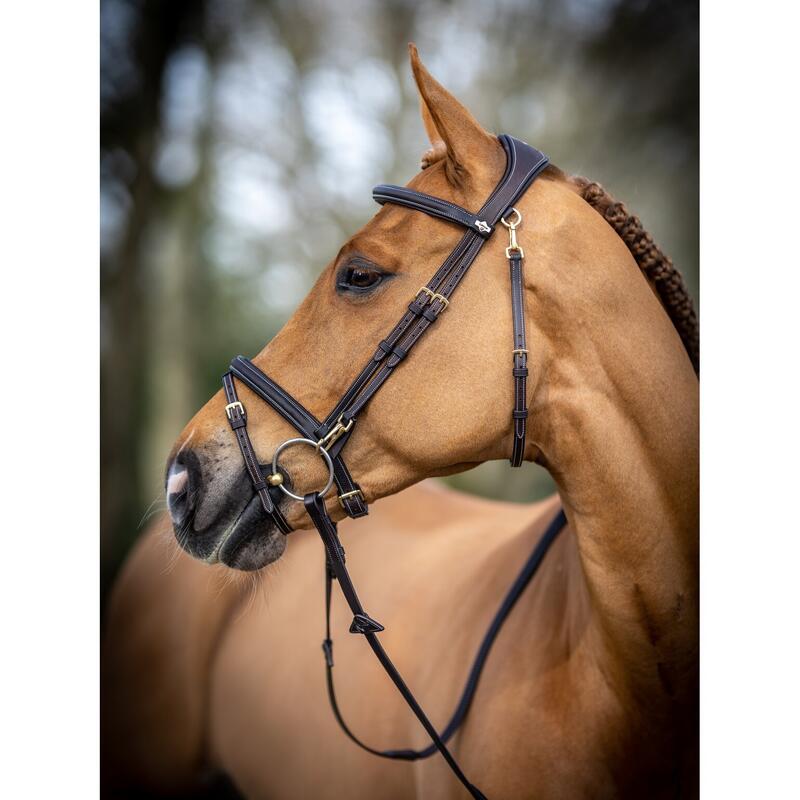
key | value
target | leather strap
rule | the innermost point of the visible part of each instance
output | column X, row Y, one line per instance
column 520, row 371
column 237, row 417
column 521, row 582
column 368, row 627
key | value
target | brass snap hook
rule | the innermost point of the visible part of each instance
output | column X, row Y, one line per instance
column 512, row 226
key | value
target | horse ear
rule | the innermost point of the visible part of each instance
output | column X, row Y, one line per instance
column 455, row 135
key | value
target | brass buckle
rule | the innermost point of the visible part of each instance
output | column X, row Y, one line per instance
column 334, row 434
column 434, row 296
column 520, row 350
column 230, row 406
column 346, row 495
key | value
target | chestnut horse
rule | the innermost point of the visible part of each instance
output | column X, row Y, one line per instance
column 591, row 688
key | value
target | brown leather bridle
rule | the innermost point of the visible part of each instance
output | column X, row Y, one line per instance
column 523, row 164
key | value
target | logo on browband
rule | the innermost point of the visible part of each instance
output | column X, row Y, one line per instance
column 482, row 226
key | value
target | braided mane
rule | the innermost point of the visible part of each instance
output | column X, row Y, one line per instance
column 657, row 267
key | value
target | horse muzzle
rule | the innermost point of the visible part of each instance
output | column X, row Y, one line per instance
column 215, row 515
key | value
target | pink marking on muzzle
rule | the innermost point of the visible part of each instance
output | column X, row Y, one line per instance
column 177, row 481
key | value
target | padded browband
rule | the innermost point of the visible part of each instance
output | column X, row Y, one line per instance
column 388, row 193
column 523, row 163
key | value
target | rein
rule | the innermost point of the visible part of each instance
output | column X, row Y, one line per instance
column 328, row 437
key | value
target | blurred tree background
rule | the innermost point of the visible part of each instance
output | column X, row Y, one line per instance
column 225, row 126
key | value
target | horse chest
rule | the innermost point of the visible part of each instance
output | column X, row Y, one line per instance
column 271, row 727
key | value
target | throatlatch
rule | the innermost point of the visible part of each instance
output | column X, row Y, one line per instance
column 328, row 437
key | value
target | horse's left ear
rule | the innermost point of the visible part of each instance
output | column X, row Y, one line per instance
column 455, row 135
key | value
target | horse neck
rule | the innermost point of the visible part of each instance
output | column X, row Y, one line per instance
column 615, row 418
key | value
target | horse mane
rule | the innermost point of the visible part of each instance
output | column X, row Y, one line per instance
column 657, row 267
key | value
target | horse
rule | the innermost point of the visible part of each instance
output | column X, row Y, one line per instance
column 591, row 690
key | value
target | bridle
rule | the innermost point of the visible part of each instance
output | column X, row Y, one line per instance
column 328, row 437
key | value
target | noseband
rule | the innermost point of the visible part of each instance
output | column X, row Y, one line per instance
column 328, row 437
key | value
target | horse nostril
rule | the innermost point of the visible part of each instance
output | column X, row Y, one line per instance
column 178, row 491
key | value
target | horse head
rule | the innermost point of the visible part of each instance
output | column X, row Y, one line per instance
column 447, row 406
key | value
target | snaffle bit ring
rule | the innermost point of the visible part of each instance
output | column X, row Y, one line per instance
column 321, row 450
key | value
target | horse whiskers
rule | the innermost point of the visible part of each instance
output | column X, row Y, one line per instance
column 176, row 544
column 247, row 584
column 172, row 560
column 263, row 586
column 219, row 577
column 157, row 506
column 226, row 575
column 254, row 579
column 248, row 604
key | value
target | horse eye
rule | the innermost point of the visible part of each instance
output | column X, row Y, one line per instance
column 359, row 278
column 362, row 278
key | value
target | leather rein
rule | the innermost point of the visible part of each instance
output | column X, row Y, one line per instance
column 328, row 437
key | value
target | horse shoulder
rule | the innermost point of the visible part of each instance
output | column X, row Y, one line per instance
column 161, row 630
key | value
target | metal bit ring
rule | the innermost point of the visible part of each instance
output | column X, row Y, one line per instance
column 322, row 452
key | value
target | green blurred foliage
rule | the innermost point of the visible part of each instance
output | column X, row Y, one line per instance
column 226, row 126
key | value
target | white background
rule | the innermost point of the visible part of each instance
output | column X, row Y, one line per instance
column 49, row 474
